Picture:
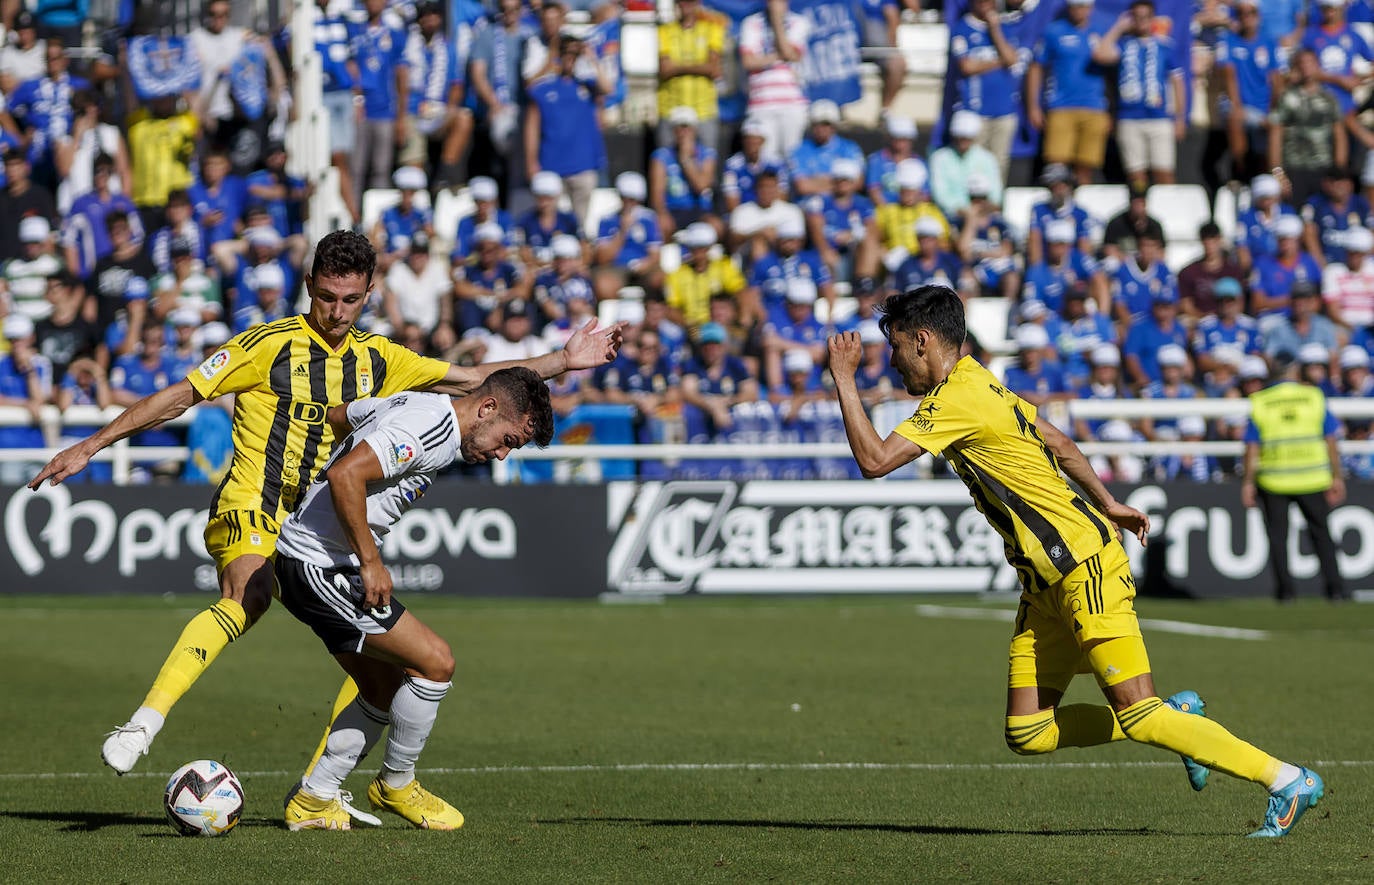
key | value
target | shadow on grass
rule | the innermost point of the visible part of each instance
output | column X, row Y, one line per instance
column 91, row 821
column 844, row 826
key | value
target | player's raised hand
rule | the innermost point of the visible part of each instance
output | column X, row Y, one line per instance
column 846, row 351
column 593, row 345
column 66, row 463
column 1130, row 520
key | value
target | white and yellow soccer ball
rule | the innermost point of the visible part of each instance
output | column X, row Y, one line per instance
column 203, row 798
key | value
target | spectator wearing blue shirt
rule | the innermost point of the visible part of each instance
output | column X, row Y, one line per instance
column 1304, row 324
column 43, row 110
column 772, row 273
column 1276, row 276
column 136, row 375
column 810, row 163
column 1314, row 367
column 398, row 224
column 564, row 282
column 841, row 224
column 435, row 100
column 268, row 302
column 1059, row 207
column 875, row 378
column 1284, row 21
column 1103, row 383
column 1139, row 281
column 84, row 236
column 932, row 266
column 1148, row 337
column 985, row 243
column 742, row 169
column 681, row 176
column 219, row 199
column 1065, row 270
column 1329, row 214
column 563, row 128
column 715, row 382
column 1250, row 64
column 603, row 40
column 1080, row 332
column 1152, row 108
column 880, row 181
column 485, row 282
column 1337, row 45
column 1034, row 377
column 494, row 74
column 628, row 242
column 85, row 384
column 283, row 195
column 1072, row 112
column 379, row 47
column 797, row 330
column 643, row 376
column 1255, row 227
column 537, row 227
column 1229, row 327
column 340, row 74
column 963, row 157
column 181, row 225
column 984, row 51
column 485, row 196
column 25, row 381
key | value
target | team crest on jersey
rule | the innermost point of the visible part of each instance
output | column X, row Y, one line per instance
column 212, row 366
column 364, row 382
column 402, row 454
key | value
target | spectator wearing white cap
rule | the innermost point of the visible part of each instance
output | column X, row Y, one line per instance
column 485, row 280
column 880, row 180
column 628, row 242
column 262, row 298
column 743, row 168
column 1229, row 327
column 1223, row 378
column 753, row 226
column 1315, row 367
column 771, row 274
column 772, row 46
column 690, row 50
column 400, row 222
column 1065, row 270
column 1154, row 328
column 566, row 281
column 797, row 330
column 418, row 290
column 186, row 286
column 810, row 163
column 961, row 157
column 896, row 221
column 1356, row 379
column 985, row 51
column 688, row 290
column 682, row 175
column 843, row 224
column 1035, row 377
column 1275, row 276
column 183, row 352
column 1079, row 332
column 1104, row 382
column 1304, row 324
column 1307, row 131
column 1060, row 206
column 563, row 125
column 800, row 385
column 1185, row 465
column 25, row 381
column 1256, row 231
column 26, row 273
column 240, row 260
column 536, row 229
column 486, row 195
column 716, row 380
column 1151, row 104
column 1173, row 370
column 932, row 265
column 1348, row 286
column 1072, row 112
column 877, row 381
column 986, row 244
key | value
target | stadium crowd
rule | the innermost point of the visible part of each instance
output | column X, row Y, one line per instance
column 146, row 214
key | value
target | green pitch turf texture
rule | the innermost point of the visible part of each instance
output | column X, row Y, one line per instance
column 854, row 740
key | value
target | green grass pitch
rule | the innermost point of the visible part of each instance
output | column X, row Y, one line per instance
column 702, row 740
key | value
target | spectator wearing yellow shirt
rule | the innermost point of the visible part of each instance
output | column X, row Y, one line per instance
column 689, row 63
column 690, row 287
column 897, row 221
column 161, row 145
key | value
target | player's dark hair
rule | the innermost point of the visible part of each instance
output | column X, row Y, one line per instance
column 527, row 395
column 343, row 253
column 936, row 308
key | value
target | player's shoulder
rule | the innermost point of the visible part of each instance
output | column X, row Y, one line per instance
column 253, row 339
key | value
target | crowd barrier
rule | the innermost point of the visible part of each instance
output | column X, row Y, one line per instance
column 648, row 540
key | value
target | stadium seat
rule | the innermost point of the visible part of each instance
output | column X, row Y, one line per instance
column 1224, row 213
column 1017, row 203
column 604, row 202
column 379, row 199
column 1102, row 201
column 639, row 49
column 987, row 320
column 450, row 208
column 1178, row 254
column 670, row 257
column 1180, row 208
column 926, row 47
column 844, row 309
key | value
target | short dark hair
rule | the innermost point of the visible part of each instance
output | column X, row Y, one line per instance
column 102, row 161
column 1209, row 230
column 114, row 217
column 179, row 195
column 527, row 394
column 936, row 308
column 343, row 253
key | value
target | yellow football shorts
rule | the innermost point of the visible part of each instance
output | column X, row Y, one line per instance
column 235, row 533
column 1058, row 630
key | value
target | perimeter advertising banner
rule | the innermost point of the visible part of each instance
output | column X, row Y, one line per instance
column 668, row 538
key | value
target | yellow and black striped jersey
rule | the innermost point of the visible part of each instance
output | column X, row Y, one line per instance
column 287, row 378
column 988, row 435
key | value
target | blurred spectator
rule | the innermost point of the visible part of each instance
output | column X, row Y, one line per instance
column 796, row 330
column 379, row 46
column 85, row 384
column 161, row 145
column 1123, row 233
column 1072, row 113
column 486, row 281
column 754, row 226
column 219, row 198
column 881, row 177
column 542, row 48
column 1104, row 382
column 1307, row 132
column 112, row 285
column 217, row 44
column 880, row 20
column 25, row 382
column 1149, row 335
column 24, row 55
column 160, row 64
column 1314, row 367
column 61, row 21
column 877, row 381
column 537, row 227
column 1140, row 281
column 485, row 195
column 185, row 286
column 399, row 224
column 985, row 243
column 76, row 156
column 743, row 337
column 435, row 98
column 563, row 128
column 643, row 376
column 952, row 165
column 1066, row 270
column 1229, row 327
column 283, row 194
column 340, row 74
column 656, row 317
column 565, row 281
column 1081, row 332
column 1251, row 66
column 841, row 223
column 1222, row 379
column 1335, row 45
column 897, row 220
column 1034, row 377
column 810, row 163
column 84, row 237
column 180, row 225
column 1060, row 206
column 715, row 381
column 418, row 289
column 604, row 42
column 514, row 338
column 628, row 242
column 1284, row 21
column 986, row 53
column 1256, row 227
column 1151, row 106
column 65, row 334
column 689, row 65
column 1187, row 465
column 21, row 198
column 240, row 262
column 799, row 385
column 741, row 169
column 1169, row 381
column 26, row 274
column 141, row 374
column 495, row 76
column 932, row 265
column 1284, row 337
column 43, row 110
column 772, row 45
column 690, row 287
column 683, row 173
column 1356, row 379
column 1330, row 214
column 1197, row 281
column 266, row 301
column 1348, row 286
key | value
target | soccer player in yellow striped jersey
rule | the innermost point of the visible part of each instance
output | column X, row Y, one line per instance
column 1076, row 612
column 286, row 376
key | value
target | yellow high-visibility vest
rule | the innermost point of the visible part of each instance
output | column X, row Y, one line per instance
column 1293, row 458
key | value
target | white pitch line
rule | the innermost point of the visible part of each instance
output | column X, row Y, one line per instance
column 615, row 767
column 1160, row 625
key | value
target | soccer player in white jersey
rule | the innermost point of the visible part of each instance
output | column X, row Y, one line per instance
column 330, row 571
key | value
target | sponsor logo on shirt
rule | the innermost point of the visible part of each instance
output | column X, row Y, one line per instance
column 402, row 454
column 215, row 364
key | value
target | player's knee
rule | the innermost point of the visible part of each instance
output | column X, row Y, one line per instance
column 1031, row 739
column 440, row 666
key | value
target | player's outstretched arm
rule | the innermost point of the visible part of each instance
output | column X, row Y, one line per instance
column 1075, row 465
column 591, row 346
column 143, row 415
column 875, row 456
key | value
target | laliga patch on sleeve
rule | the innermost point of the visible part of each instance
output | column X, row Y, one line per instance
column 401, row 454
column 215, row 364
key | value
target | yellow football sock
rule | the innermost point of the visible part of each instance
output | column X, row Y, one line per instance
column 203, row 638
column 347, row 692
column 1075, row 725
column 1154, row 722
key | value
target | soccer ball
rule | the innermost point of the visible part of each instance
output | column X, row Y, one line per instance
column 203, row 798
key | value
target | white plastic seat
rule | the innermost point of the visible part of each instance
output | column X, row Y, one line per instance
column 379, row 199
column 604, row 203
column 450, row 208
column 987, row 319
column 1224, row 213
column 1102, row 201
column 670, row 257
column 639, row 49
column 925, row 46
column 1180, row 208
column 1017, row 203
column 1178, row 254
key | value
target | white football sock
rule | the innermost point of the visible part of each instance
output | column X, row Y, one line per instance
column 413, row 712
column 149, row 719
column 1287, row 774
column 353, row 734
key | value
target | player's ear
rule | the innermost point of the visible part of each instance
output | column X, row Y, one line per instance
column 487, row 407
